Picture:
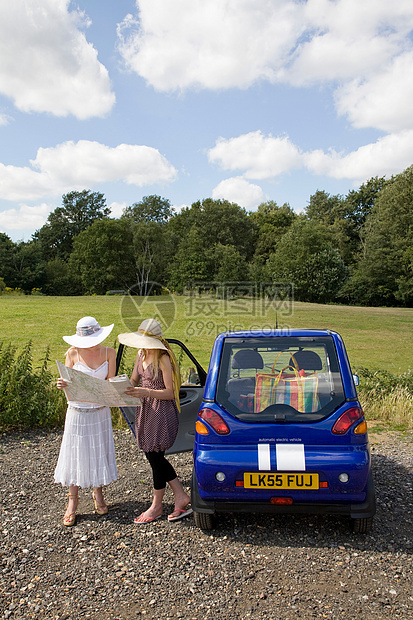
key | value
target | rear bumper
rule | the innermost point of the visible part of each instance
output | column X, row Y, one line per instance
column 328, row 461
column 360, row 510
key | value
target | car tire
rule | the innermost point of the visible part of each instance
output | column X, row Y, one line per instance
column 204, row 520
column 362, row 526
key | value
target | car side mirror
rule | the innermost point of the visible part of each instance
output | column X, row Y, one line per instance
column 193, row 379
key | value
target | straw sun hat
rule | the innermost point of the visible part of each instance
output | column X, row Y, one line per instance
column 148, row 336
column 88, row 333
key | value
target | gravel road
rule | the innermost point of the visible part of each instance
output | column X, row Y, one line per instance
column 251, row 566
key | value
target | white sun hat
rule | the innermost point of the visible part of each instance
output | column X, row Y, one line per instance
column 88, row 333
column 148, row 336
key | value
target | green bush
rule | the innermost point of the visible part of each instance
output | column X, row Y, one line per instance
column 28, row 396
column 387, row 397
column 382, row 382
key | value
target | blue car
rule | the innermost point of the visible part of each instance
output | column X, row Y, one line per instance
column 280, row 430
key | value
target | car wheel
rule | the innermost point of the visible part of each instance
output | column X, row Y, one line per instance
column 204, row 520
column 362, row 526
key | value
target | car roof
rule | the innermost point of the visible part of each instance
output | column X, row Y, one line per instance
column 277, row 333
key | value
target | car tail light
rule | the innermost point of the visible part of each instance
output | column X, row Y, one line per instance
column 200, row 428
column 346, row 420
column 214, row 419
column 361, row 428
column 281, row 501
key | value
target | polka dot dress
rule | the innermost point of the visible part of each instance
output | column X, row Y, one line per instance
column 156, row 420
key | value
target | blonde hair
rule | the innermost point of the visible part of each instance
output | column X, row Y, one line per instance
column 157, row 354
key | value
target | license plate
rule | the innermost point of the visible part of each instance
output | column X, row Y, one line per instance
column 255, row 480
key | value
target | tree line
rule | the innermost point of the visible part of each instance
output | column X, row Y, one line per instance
column 353, row 249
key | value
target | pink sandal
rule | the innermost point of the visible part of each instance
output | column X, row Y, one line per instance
column 144, row 519
column 179, row 513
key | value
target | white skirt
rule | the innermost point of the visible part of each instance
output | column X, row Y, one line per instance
column 87, row 453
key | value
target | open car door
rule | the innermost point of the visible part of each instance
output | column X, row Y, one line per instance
column 190, row 395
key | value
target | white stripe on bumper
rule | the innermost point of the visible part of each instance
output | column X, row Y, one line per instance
column 264, row 457
column 290, row 457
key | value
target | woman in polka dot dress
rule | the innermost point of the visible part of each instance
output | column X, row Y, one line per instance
column 156, row 382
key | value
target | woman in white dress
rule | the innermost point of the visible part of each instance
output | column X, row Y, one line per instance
column 87, row 453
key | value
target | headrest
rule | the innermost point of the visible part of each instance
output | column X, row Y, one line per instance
column 247, row 358
column 307, row 360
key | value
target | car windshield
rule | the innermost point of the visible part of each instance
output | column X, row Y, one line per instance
column 279, row 379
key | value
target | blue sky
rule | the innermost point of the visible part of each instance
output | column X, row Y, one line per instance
column 248, row 100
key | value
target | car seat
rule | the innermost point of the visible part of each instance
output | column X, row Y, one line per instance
column 306, row 360
column 247, row 358
column 240, row 387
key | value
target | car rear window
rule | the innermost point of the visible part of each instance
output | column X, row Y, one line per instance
column 281, row 379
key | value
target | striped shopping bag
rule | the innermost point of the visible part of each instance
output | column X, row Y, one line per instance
column 288, row 387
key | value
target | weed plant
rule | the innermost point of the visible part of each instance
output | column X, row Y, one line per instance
column 394, row 408
column 387, row 397
column 28, row 396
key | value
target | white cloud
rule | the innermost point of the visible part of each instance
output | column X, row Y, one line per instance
column 331, row 58
column 74, row 166
column 389, row 155
column 363, row 49
column 4, row 119
column 345, row 39
column 117, row 208
column 46, row 63
column 237, row 189
column 261, row 157
column 24, row 217
column 86, row 162
column 215, row 44
column 24, row 183
column 384, row 101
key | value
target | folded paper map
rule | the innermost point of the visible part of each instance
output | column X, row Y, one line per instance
column 83, row 388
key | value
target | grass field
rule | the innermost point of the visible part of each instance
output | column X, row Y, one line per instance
column 376, row 338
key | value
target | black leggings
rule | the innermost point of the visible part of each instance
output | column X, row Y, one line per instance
column 162, row 470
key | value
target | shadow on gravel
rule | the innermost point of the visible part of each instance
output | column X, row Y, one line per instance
column 122, row 513
column 125, row 512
